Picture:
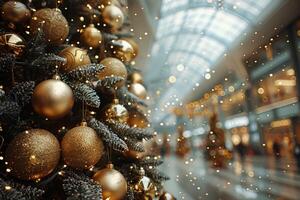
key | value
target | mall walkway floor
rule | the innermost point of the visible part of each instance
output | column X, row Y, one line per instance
column 258, row 178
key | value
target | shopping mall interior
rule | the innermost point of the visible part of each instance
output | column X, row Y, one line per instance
column 228, row 67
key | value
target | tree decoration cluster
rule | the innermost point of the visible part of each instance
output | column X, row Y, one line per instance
column 71, row 116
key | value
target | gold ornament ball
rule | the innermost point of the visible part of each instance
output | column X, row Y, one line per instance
column 137, row 119
column 166, row 196
column 52, row 99
column 53, row 24
column 12, row 43
column 115, row 112
column 113, row 16
column 138, row 90
column 15, row 12
column 113, row 67
column 91, row 36
column 81, row 147
column 112, row 182
column 133, row 44
column 124, row 51
column 75, row 57
column 32, row 154
column 136, row 77
column 134, row 154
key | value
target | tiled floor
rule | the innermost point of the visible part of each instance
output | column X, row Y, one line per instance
column 259, row 178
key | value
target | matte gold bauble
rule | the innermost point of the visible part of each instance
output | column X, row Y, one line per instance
column 115, row 112
column 12, row 43
column 137, row 119
column 113, row 67
column 75, row 57
column 15, row 12
column 81, row 147
column 166, row 196
column 32, row 154
column 124, row 51
column 136, row 77
column 113, row 16
column 91, row 36
column 53, row 24
column 52, row 99
column 134, row 154
column 112, row 182
column 138, row 90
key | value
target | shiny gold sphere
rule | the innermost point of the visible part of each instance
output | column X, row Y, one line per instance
column 166, row 196
column 81, row 147
column 124, row 51
column 134, row 45
column 12, row 43
column 113, row 67
column 53, row 24
column 52, row 99
column 15, row 12
column 137, row 119
column 115, row 112
column 136, row 77
column 75, row 57
column 138, row 90
column 113, row 16
column 91, row 36
column 32, row 154
column 112, row 182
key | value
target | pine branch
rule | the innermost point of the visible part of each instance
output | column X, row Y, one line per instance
column 151, row 161
column 9, row 110
column 14, row 191
column 156, row 175
column 130, row 132
column 134, row 145
column 22, row 92
column 127, row 98
column 48, row 62
column 80, row 187
column 109, row 137
column 108, row 37
column 87, row 94
column 110, row 82
column 130, row 194
column 7, row 61
column 37, row 45
column 86, row 72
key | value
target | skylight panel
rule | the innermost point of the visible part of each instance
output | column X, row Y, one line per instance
column 170, row 24
column 169, row 5
column 210, row 48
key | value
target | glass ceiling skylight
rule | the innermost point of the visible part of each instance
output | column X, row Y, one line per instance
column 196, row 33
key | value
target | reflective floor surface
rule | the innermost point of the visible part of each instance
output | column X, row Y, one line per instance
column 259, row 178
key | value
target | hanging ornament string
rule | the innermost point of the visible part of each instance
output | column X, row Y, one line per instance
column 83, row 112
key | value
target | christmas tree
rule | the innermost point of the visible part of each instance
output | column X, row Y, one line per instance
column 72, row 105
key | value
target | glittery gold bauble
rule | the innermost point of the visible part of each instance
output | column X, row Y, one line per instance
column 53, row 24
column 138, row 90
column 32, row 154
column 166, row 196
column 75, row 57
column 113, row 16
column 115, row 112
column 112, row 182
column 15, row 12
column 124, row 51
column 91, row 36
column 137, row 119
column 52, row 99
column 12, row 43
column 136, row 77
column 81, row 147
column 113, row 67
